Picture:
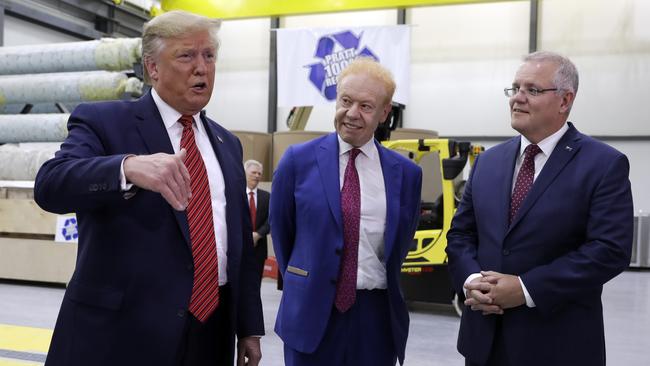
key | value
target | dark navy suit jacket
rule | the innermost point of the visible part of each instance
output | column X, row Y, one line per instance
column 126, row 302
column 572, row 234
column 307, row 232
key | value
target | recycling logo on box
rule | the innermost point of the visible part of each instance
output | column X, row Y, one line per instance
column 335, row 52
column 67, row 229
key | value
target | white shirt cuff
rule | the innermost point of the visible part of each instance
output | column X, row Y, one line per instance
column 124, row 186
column 529, row 300
column 470, row 278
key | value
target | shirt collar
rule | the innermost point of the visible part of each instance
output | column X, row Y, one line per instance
column 546, row 145
column 169, row 115
column 368, row 149
column 248, row 190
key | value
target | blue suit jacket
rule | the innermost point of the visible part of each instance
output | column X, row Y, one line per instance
column 307, row 232
column 572, row 234
column 126, row 301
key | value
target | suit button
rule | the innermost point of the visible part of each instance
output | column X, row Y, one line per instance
column 338, row 251
column 506, row 252
column 180, row 313
column 333, row 281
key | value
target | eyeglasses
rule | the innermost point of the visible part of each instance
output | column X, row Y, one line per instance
column 531, row 91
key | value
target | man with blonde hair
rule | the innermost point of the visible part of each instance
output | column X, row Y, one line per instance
column 164, row 274
column 343, row 213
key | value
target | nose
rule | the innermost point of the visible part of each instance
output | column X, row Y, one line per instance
column 353, row 111
column 201, row 66
column 520, row 97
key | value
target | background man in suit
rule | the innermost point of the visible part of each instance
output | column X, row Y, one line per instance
column 532, row 258
column 343, row 214
column 258, row 203
column 165, row 274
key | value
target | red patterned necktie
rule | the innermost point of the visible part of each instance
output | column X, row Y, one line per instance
column 252, row 208
column 346, row 287
column 205, row 291
column 524, row 179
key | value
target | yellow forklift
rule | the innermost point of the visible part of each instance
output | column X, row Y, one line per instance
column 425, row 276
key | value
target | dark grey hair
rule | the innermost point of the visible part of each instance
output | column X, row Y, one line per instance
column 566, row 76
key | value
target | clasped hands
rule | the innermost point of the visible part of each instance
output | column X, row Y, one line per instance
column 494, row 292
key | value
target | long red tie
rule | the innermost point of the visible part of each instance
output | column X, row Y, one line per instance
column 205, row 290
column 346, row 287
column 524, row 179
column 252, row 208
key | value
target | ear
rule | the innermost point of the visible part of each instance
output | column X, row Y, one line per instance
column 152, row 68
column 567, row 102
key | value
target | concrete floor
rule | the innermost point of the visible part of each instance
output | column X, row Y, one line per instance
column 433, row 332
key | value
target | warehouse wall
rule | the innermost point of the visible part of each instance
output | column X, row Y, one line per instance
column 240, row 96
column 462, row 56
column 18, row 32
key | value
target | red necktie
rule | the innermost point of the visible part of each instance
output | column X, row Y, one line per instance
column 252, row 208
column 205, row 291
column 346, row 287
column 524, row 179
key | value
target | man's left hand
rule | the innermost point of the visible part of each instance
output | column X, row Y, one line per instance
column 506, row 290
column 249, row 352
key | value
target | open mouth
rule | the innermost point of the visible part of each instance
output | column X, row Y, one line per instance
column 199, row 86
column 517, row 110
column 351, row 126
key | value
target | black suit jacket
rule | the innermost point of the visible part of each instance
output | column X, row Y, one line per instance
column 127, row 301
column 262, row 227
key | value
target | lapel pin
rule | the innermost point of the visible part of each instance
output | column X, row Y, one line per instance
column 568, row 148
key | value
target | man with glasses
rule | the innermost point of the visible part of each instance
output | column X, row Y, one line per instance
column 546, row 219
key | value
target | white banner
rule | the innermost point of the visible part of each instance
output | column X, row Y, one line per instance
column 309, row 60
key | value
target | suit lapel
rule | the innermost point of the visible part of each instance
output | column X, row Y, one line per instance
column 151, row 127
column 564, row 151
column 392, row 172
column 234, row 190
column 508, row 163
column 152, row 130
column 328, row 166
column 261, row 209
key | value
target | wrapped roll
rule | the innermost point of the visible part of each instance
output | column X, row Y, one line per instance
column 111, row 54
column 33, row 128
column 67, row 87
column 22, row 161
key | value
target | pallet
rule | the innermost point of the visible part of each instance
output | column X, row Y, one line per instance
column 27, row 247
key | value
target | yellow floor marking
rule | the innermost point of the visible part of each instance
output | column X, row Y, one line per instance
column 24, row 339
column 8, row 362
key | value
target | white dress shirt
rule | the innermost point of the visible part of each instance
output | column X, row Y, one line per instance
column 215, row 176
column 371, row 270
column 547, row 146
column 248, row 195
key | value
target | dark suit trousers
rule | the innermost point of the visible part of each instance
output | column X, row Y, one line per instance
column 498, row 354
column 260, row 256
column 209, row 343
column 361, row 336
